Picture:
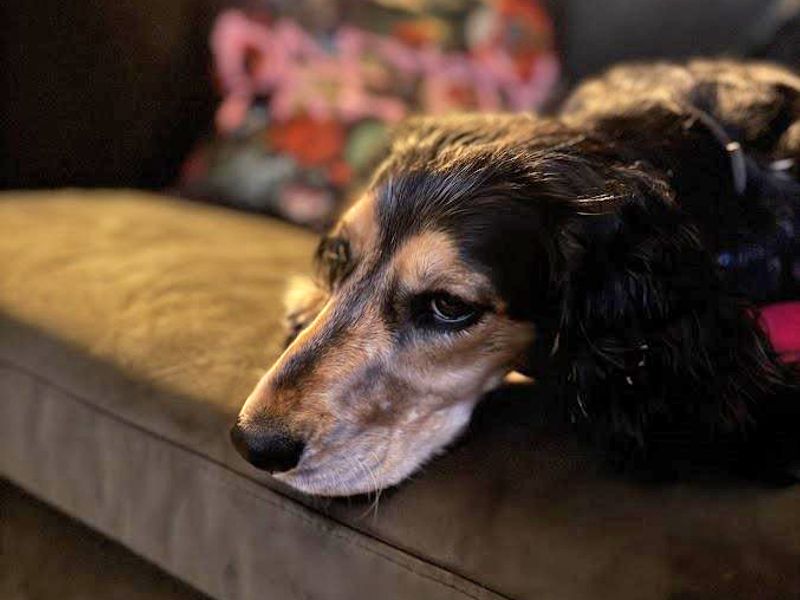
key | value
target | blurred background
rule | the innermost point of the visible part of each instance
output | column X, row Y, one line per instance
column 281, row 106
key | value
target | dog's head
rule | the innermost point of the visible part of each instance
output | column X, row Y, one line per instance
column 438, row 281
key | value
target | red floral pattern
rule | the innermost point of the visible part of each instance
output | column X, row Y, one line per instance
column 306, row 111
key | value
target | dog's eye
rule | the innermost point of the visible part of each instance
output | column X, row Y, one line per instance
column 449, row 310
column 333, row 255
column 444, row 312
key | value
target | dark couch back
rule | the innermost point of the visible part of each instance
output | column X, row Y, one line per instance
column 114, row 92
column 101, row 92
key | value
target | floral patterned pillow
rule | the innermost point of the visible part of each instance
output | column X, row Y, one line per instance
column 309, row 89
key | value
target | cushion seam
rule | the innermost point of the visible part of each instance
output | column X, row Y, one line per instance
column 297, row 511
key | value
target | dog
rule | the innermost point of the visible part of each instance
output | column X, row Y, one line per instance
column 614, row 250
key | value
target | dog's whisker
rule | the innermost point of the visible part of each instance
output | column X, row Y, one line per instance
column 378, row 490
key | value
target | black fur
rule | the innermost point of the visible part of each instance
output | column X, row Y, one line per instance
column 616, row 227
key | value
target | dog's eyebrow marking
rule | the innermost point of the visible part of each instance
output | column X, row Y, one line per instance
column 430, row 261
column 360, row 225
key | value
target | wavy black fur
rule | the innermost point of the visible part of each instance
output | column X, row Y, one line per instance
column 616, row 227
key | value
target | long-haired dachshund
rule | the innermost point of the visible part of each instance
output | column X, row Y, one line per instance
column 614, row 250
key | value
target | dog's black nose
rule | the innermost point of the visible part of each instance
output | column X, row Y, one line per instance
column 268, row 447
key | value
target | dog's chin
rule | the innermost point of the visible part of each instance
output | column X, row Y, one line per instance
column 332, row 483
column 359, row 468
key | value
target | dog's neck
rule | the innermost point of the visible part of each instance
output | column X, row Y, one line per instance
column 747, row 200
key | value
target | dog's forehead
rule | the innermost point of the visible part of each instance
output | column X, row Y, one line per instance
column 422, row 257
column 377, row 227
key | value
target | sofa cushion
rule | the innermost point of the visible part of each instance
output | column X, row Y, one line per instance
column 132, row 327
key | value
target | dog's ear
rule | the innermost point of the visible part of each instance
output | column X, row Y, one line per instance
column 303, row 301
column 663, row 363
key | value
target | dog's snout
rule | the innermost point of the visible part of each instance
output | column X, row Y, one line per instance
column 268, row 446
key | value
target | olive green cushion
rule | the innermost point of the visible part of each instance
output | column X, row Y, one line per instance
column 132, row 327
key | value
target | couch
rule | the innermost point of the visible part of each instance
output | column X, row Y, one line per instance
column 132, row 326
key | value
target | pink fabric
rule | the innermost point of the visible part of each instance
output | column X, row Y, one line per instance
column 782, row 323
column 352, row 76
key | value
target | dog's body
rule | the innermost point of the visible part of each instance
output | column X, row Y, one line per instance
column 614, row 250
column 725, row 139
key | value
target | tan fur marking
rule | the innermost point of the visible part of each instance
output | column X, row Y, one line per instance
column 373, row 409
column 360, row 224
column 430, row 261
